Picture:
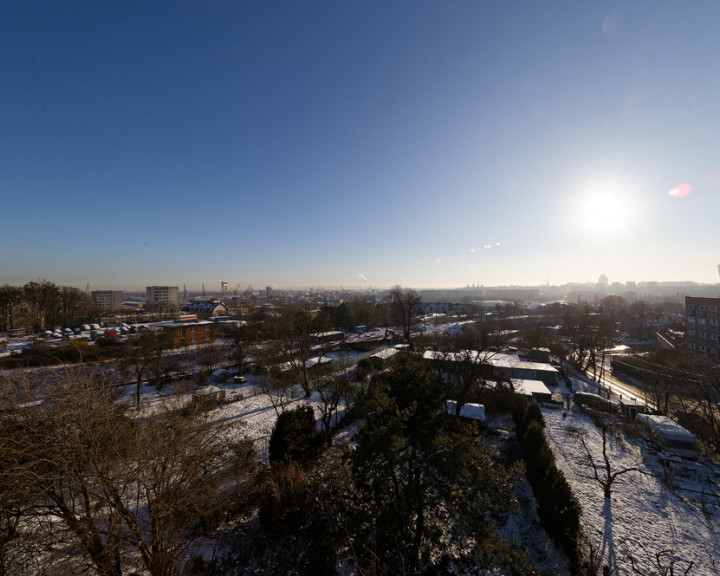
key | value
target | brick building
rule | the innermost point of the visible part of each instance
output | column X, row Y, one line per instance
column 190, row 333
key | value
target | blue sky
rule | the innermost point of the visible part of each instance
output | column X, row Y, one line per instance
column 348, row 143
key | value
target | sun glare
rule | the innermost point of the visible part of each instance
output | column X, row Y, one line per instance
column 603, row 209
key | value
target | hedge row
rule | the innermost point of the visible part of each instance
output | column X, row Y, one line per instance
column 558, row 508
column 49, row 356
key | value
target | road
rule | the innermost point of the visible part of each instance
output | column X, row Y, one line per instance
column 622, row 390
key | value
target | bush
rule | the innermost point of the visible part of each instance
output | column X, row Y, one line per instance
column 498, row 401
column 243, row 458
column 282, row 499
column 44, row 355
column 363, row 369
column 525, row 412
column 558, row 508
column 295, row 437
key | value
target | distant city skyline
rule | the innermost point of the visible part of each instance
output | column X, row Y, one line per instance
column 214, row 288
column 322, row 143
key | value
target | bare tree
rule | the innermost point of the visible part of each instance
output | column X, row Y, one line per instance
column 295, row 340
column 640, row 310
column 42, row 298
column 466, row 373
column 579, row 327
column 279, row 389
column 138, row 355
column 407, row 302
column 703, row 384
column 608, row 476
column 331, row 391
column 74, row 305
column 177, row 464
column 10, row 299
column 16, row 495
column 111, row 491
column 64, row 451
column 591, row 332
column 243, row 339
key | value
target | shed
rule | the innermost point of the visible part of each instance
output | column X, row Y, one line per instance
column 208, row 395
column 535, row 388
column 670, row 435
column 220, row 375
column 381, row 358
column 475, row 412
column 595, row 401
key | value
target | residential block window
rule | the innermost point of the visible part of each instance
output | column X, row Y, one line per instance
column 193, row 339
column 193, row 329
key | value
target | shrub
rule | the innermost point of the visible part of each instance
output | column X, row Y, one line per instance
column 244, row 456
column 295, row 437
column 498, row 401
column 282, row 498
column 558, row 509
column 363, row 369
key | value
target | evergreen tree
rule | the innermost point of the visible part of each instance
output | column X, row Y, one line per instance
column 428, row 491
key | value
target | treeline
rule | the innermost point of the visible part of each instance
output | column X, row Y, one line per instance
column 67, row 353
column 40, row 305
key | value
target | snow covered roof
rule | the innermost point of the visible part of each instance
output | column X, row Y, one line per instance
column 665, row 425
column 500, row 360
column 220, row 374
column 496, row 359
column 529, row 387
column 208, row 390
column 385, row 353
column 471, row 411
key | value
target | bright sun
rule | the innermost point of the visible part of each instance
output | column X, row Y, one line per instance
column 603, row 209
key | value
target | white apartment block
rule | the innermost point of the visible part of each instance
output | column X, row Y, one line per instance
column 107, row 299
column 161, row 295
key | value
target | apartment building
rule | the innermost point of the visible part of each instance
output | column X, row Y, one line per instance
column 161, row 295
column 109, row 300
column 190, row 333
column 702, row 317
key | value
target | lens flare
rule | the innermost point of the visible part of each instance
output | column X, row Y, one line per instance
column 680, row 191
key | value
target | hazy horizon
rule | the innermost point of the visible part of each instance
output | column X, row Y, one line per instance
column 215, row 288
column 359, row 144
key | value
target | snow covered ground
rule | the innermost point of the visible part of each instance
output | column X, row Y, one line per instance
column 674, row 513
column 653, row 511
column 246, row 411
